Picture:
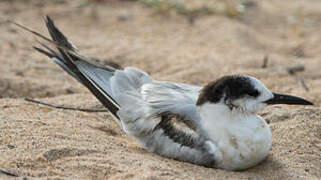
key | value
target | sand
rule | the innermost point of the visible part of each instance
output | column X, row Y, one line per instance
column 39, row 142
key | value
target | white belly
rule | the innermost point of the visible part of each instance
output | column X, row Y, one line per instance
column 244, row 147
column 240, row 142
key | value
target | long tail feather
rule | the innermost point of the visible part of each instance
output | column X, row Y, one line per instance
column 67, row 58
column 43, row 52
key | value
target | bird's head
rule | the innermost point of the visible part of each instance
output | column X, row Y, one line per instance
column 244, row 93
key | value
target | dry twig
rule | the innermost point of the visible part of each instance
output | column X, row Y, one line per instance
column 9, row 172
column 66, row 108
column 302, row 82
column 265, row 61
column 294, row 69
column 5, row 85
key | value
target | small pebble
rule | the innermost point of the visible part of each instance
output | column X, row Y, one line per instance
column 124, row 16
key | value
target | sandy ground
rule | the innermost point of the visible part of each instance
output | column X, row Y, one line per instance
column 41, row 142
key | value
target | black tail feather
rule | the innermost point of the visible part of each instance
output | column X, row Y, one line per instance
column 100, row 94
column 56, row 35
column 67, row 55
column 50, row 49
column 43, row 52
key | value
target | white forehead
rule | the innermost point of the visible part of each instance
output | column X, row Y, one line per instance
column 265, row 93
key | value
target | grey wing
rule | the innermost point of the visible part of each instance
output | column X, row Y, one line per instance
column 148, row 110
column 142, row 98
column 173, row 98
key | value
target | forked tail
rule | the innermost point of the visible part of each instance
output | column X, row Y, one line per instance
column 80, row 67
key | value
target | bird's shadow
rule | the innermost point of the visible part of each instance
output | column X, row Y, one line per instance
column 270, row 165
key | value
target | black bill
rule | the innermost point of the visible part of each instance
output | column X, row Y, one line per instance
column 287, row 99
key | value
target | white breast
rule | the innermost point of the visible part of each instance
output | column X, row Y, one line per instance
column 241, row 140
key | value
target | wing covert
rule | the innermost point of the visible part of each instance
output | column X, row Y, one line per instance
column 173, row 98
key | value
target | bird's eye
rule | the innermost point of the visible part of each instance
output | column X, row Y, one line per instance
column 253, row 93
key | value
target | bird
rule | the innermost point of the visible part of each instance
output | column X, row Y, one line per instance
column 215, row 126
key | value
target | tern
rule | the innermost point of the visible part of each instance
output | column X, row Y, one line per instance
column 214, row 126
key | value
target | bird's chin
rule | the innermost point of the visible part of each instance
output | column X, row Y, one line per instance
column 255, row 108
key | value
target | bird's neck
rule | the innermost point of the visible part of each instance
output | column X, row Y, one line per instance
column 218, row 112
column 219, row 117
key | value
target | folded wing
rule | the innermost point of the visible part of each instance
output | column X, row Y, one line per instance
column 144, row 108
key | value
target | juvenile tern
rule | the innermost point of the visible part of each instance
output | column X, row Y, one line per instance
column 220, row 129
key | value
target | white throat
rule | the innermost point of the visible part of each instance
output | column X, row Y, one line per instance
column 241, row 140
